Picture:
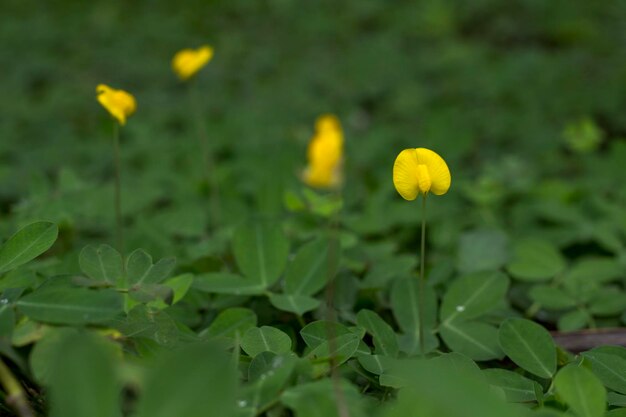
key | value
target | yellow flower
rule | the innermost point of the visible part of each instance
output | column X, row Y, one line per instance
column 119, row 103
column 187, row 62
column 420, row 171
column 325, row 153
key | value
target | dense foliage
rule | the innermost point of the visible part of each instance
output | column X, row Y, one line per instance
column 216, row 304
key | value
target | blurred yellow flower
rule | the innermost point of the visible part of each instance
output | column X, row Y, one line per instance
column 325, row 153
column 187, row 62
column 119, row 103
column 420, row 171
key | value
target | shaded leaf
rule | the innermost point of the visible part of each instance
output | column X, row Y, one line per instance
column 261, row 250
column 581, row 390
column 535, row 260
column 102, row 263
column 385, row 340
column 312, row 267
column 297, row 304
column 67, row 305
column 265, row 339
column 28, row 243
column 529, row 345
column 476, row 340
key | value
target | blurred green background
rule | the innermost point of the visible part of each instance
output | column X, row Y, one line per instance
column 524, row 99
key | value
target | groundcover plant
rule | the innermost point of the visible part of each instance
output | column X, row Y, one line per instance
column 204, row 208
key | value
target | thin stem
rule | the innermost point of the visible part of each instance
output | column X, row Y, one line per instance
column 208, row 163
column 342, row 404
column 16, row 397
column 421, row 279
column 118, row 188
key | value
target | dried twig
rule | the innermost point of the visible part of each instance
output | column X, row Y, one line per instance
column 582, row 340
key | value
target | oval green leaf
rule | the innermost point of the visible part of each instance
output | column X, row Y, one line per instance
column 529, row 345
column 535, row 260
column 261, row 250
column 68, row 305
column 581, row 390
column 265, row 339
column 28, row 243
column 473, row 295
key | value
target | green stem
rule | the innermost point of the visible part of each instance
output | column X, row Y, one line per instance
column 421, row 279
column 16, row 397
column 118, row 188
column 341, row 401
column 208, row 162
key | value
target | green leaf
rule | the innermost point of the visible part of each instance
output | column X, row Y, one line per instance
column 198, row 380
column 382, row 271
column 268, row 375
column 597, row 269
column 616, row 400
column 535, row 260
column 317, row 399
column 297, row 304
column 376, row 364
column 261, row 250
column 618, row 412
column 473, row 295
column 611, row 369
column 529, row 345
column 27, row 244
column 102, row 263
column 145, row 323
column 435, row 388
column 83, row 379
column 141, row 271
column 68, row 305
column 318, row 332
column 474, row 247
column 516, row 387
column 405, row 306
column 476, row 340
column 581, row 390
column 225, row 283
column 607, row 302
column 46, row 351
column 573, row 320
column 341, row 348
column 385, row 340
column 404, row 300
column 179, row 285
column 232, row 323
column 265, row 339
column 551, row 298
column 313, row 266
column 152, row 292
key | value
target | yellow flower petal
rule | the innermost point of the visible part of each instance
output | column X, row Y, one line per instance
column 327, row 122
column 119, row 103
column 437, row 168
column 325, row 153
column 188, row 62
column 420, row 171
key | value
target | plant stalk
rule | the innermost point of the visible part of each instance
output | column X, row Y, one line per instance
column 16, row 397
column 118, row 188
column 421, row 284
column 208, row 163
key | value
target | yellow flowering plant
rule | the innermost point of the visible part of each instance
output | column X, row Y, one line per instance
column 120, row 104
column 187, row 62
column 325, row 153
column 420, row 171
